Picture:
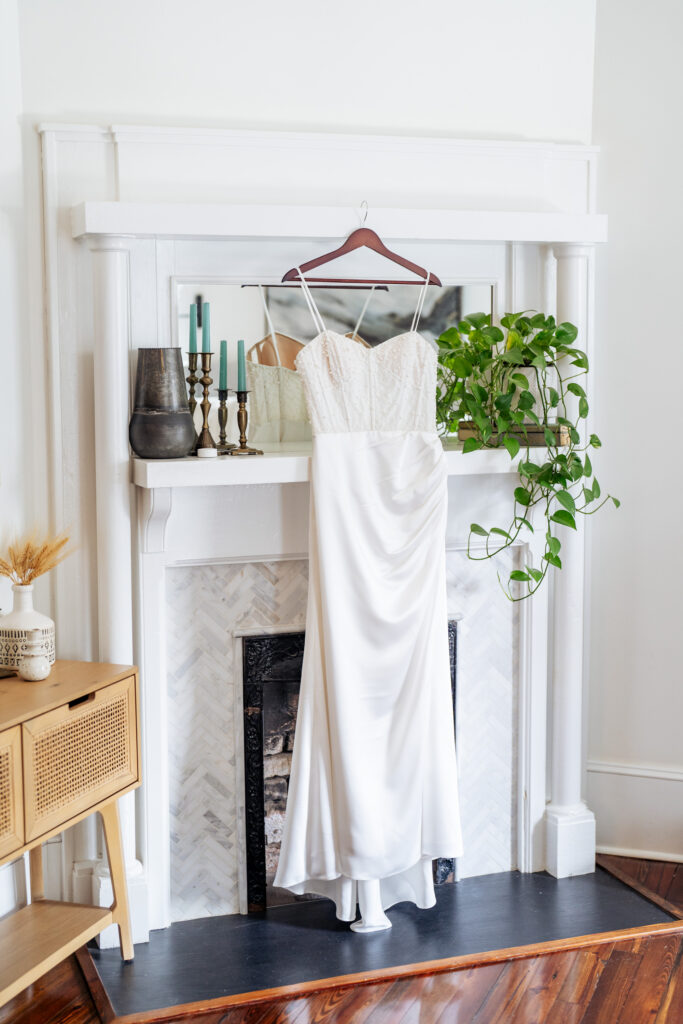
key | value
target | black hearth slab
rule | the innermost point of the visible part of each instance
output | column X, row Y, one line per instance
column 220, row 956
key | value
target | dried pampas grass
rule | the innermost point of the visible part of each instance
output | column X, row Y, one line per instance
column 29, row 557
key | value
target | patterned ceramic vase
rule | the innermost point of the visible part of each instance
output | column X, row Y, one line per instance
column 15, row 626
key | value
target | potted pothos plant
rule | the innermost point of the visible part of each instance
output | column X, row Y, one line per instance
column 518, row 387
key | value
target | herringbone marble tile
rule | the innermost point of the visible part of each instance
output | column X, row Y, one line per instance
column 207, row 605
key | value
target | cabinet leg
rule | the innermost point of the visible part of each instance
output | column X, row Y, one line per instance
column 117, row 870
column 35, row 857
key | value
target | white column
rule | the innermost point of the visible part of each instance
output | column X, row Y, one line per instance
column 111, row 303
column 154, row 508
column 570, row 825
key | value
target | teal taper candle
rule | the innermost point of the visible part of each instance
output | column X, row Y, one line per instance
column 193, row 327
column 241, row 367
column 223, row 370
column 206, row 327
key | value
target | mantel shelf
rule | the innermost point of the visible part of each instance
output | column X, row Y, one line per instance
column 212, row 222
column 286, row 464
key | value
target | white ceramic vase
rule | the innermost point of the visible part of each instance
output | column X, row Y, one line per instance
column 15, row 626
column 34, row 665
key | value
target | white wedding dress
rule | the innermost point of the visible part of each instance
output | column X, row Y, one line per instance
column 373, row 787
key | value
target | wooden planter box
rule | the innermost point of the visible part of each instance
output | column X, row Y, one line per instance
column 535, row 436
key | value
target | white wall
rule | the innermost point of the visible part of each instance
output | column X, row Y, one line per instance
column 14, row 345
column 493, row 68
column 636, row 677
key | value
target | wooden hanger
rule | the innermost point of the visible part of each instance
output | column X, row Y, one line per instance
column 356, row 240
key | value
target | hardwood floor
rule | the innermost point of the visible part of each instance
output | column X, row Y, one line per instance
column 629, row 981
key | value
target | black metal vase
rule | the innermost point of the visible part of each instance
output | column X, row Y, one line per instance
column 161, row 426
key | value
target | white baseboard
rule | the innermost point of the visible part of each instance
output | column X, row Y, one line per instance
column 638, row 808
column 623, row 851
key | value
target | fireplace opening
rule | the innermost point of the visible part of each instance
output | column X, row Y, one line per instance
column 271, row 680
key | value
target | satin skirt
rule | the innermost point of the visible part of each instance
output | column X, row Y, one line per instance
column 373, row 786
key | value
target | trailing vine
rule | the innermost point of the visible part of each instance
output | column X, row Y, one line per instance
column 505, row 382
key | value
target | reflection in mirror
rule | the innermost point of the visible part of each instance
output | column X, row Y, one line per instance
column 276, row 323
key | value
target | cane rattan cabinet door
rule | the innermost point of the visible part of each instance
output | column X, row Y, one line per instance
column 11, row 797
column 79, row 754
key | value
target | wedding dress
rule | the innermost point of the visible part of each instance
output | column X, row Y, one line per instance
column 277, row 406
column 373, row 786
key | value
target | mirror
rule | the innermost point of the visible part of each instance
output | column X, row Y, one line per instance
column 277, row 409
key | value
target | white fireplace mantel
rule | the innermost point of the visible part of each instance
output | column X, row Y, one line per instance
column 287, row 464
column 121, row 210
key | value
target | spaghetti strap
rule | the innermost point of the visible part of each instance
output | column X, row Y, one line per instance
column 420, row 304
column 362, row 312
column 315, row 312
column 270, row 324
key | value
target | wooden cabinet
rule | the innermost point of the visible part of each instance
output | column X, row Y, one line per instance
column 69, row 746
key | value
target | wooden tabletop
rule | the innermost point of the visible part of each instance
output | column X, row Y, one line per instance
column 68, row 680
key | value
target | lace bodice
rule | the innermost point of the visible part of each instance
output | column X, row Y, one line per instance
column 277, row 406
column 350, row 388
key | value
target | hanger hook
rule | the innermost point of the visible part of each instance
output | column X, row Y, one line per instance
column 364, row 212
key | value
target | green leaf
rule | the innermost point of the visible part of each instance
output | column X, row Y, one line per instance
column 616, row 501
column 535, row 574
column 595, row 441
column 588, row 495
column 479, row 530
column 522, row 496
column 520, row 380
column 478, row 319
column 554, row 545
column 583, row 408
column 512, row 445
column 524, row 522
column 596, row 489
column 554, row 398
column 565, row 499
column 550, row 438
column 587, row 467
column 553, row 560
column 462, row 367
column 566, row 332
column 520, row 577
column 513, row 355
column 501, row 533
column 564, row 518
column 576, row 389
column 472, row 444
column 574, row 436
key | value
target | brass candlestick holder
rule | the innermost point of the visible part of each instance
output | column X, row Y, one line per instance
column 205, row 439
column 192, row 381
column 242, row 418
column 223, row 445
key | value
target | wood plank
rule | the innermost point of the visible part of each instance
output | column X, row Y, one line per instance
column 545, row 984
column 612, row 989
column 651, row 980
column 93, row 984
column 67, row 681
column 53, row 997
column 469, row 989
column 671, row 1007
column 649, row 894
column 407, row 970
column 36, row 938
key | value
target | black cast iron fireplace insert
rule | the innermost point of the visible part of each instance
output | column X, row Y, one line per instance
column 271, row 680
